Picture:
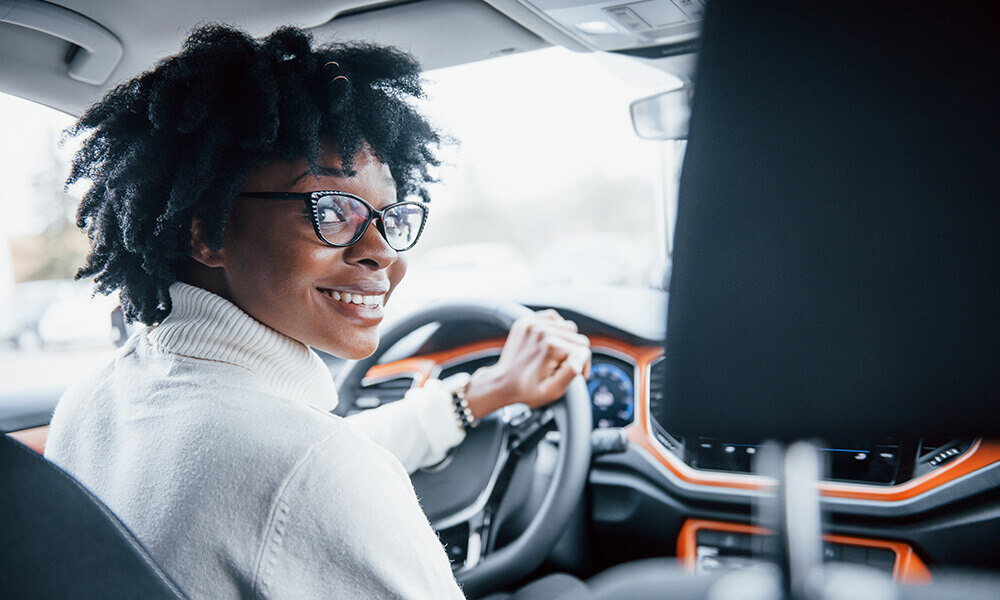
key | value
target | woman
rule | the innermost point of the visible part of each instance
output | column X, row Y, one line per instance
column 246, row 200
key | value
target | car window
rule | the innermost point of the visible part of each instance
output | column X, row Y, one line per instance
column 51, row 328
column 546, row 185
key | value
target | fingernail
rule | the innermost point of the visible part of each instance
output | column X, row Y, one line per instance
column 577, row 359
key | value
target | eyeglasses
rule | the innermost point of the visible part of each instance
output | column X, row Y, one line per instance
column 340, row 219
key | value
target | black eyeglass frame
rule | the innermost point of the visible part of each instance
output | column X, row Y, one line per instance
column 311, row 200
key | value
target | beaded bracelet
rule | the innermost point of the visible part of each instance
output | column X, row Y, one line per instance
column 462, row 410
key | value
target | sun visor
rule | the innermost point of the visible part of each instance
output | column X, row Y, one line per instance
column 836, row 266
column 463, row 31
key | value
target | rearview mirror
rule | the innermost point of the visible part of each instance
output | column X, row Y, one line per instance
column 664, row 116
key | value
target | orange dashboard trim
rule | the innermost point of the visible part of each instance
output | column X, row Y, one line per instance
column 982, row 453
column 33, row 438
column 422, row 367
column 908, row 567
column 419, row 368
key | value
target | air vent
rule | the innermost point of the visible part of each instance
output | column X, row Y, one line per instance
column 658, row 408
column 936, row 452
column 382, row 392
column 470, row 366
column 931, row 445
column 657, row 379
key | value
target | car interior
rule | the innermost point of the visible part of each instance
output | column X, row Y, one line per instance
column 804, row 409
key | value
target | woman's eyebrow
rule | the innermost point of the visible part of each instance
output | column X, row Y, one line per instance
column 336, row 173
column 332, row 171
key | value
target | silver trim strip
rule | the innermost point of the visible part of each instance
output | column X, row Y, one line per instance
column 411, row 375
column 479, row 504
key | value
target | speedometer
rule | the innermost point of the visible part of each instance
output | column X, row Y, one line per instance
column 611, row 393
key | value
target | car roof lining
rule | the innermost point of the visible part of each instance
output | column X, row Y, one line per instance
column 33, row 64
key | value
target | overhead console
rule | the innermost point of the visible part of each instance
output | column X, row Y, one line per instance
column 648, row 28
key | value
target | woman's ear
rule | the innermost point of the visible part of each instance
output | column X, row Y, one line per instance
column 200, row 250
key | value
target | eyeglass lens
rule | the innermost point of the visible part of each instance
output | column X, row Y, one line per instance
column 342, row 219
column 402, row 225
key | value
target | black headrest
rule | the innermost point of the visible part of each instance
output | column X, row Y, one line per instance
column 59, row 541
column 837, row 253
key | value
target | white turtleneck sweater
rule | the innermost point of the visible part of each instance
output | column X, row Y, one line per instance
column 210, row 437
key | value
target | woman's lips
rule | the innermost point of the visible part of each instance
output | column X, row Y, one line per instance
column 376, row 299
column 365, row 310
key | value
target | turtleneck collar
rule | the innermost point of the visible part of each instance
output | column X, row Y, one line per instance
column 206, row 326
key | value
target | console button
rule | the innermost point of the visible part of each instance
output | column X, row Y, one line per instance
column 854, row 554
column 882, row 559
column 710, row 537
column 831, row 551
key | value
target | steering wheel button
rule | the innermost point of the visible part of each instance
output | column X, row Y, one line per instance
column 366, row 402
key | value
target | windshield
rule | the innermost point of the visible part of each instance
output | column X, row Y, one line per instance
column 547, row 184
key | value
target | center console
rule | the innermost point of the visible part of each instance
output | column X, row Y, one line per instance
column 705, row 546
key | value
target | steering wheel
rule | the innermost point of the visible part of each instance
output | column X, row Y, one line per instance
column 464, row 490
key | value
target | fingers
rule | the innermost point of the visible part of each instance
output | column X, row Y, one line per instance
column 575, row 357
column 565, row 345
column 551, row 317
column 561, row 346
column 548, row 321
column 579, row 360
column 568, row 337
column 575, row 363
column 546, row 352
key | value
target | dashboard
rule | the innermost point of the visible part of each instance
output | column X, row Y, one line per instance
column 904, row 506
column 894, row 504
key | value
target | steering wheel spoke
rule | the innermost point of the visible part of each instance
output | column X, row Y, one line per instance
column 485, row 464
column 465, row 542
column 526, row 433
column 525, row 428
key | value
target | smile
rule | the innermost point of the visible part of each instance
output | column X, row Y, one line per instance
column 373, row 301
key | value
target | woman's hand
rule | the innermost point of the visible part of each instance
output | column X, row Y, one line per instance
column 542, row 355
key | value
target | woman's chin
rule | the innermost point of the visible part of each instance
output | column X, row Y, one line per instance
column 357, row 349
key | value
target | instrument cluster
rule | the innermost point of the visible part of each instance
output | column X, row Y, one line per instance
column 612, row 391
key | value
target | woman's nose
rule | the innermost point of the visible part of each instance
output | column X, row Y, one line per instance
column 372, row 250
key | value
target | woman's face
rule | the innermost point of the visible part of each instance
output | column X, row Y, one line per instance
column 278, row 271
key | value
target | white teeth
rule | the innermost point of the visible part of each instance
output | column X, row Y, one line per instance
column 373, row 301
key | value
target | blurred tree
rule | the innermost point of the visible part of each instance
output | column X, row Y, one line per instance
column 58, row 250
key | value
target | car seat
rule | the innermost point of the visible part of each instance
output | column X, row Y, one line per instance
column 57, row 540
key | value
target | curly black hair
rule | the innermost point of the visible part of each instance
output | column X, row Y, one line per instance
column 177, row 141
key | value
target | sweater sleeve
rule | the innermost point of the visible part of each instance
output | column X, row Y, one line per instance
column 418, row 430
column 346, row 524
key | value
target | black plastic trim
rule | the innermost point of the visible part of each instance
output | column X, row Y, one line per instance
column 638, row 460
column 676, row 49
column 28, row 408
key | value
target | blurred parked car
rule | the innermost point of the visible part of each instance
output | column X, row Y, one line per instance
column 23, row 309
column 55, row 312
column 77, row 317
